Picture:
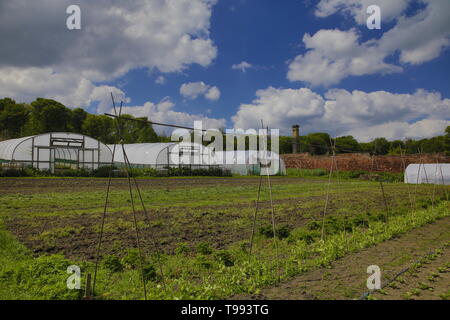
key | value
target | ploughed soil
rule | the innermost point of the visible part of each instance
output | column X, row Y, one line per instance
column 45, row 185
column 347, row 277
column 165, row 228
column 77, row 235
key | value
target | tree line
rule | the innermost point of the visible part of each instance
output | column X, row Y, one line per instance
column 322, row 143
column 46, row 115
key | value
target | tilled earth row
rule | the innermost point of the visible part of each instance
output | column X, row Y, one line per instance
column 347, row 278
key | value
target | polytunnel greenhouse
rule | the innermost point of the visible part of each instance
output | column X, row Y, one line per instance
column 193, row 155
column 60, row 151
column 434, row 173
column 250, row 162
column 52, row 151
column 163, row 155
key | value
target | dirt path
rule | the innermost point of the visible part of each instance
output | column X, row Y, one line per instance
column 429, row 279
column 347, row 277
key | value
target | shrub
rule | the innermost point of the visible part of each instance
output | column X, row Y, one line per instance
column 182, row 248
column 225, row 257
column 186, row 171
column 132, row 259
column 304, row 173
column 203, row 262
column 44, row 277
column 313, row 225
column 281, row 232
column 304, row 235
column 266, row 231
column 13, row 173
column 112, row 263
column 204, row 248
column 102, row 172
column 149, row 272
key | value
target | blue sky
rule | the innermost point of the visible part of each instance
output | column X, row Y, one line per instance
column 313, row 63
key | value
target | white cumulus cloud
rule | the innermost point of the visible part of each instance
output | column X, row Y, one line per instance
column 116, row 37
column 333, row 55
column 243, row 66
column 357, row 9
column 70, row 89
column 366, row 115
column 193, row 90
column 164, row 112
column 279, row 107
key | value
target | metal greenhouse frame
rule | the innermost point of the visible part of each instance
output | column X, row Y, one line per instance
column 51, row 151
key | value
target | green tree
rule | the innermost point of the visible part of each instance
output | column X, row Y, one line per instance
column 285, row 145
column 50, row 116
column 78, row 117
column 100, row 127
column 447, row 141
column 397, row 147
column 433, row 145
column 381, row 146
column 347, row 144
column 13, row 118
column 412, row 146
column 316, row 143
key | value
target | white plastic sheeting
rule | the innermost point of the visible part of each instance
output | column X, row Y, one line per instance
column 146, row 154
column 44, row 150
column 8, row 147
column 162, row 155
column 432, row 173
column 247, row 162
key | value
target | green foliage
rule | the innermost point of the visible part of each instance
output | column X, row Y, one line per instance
column 316, row 143
column 103, row 172
column 301, row 234
column 351, row 174
column 346, row 144
column 203, row 262
column 60, row 233
column 44, row 277
column 285, row 145
column 204, row 248
column 319, row 144
column 46, row 115
column 149, row 272
column 200, row 276
column 13, row 118
column 380, row 146
column 131, row 260
column 304, row 173
column 182, row 248
column 186, row 171
column 281, row 232
column 225, row 258
column 447, row 141
column 112, row 263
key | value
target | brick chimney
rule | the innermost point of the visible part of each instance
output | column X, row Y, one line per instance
column 295, row 138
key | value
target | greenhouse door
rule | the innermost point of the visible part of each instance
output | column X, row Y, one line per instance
column 45, row 158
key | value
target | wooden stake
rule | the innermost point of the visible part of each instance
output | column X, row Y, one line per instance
column 87, row 290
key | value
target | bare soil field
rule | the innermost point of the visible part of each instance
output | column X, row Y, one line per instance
column 33, row 185
column 76, row 235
